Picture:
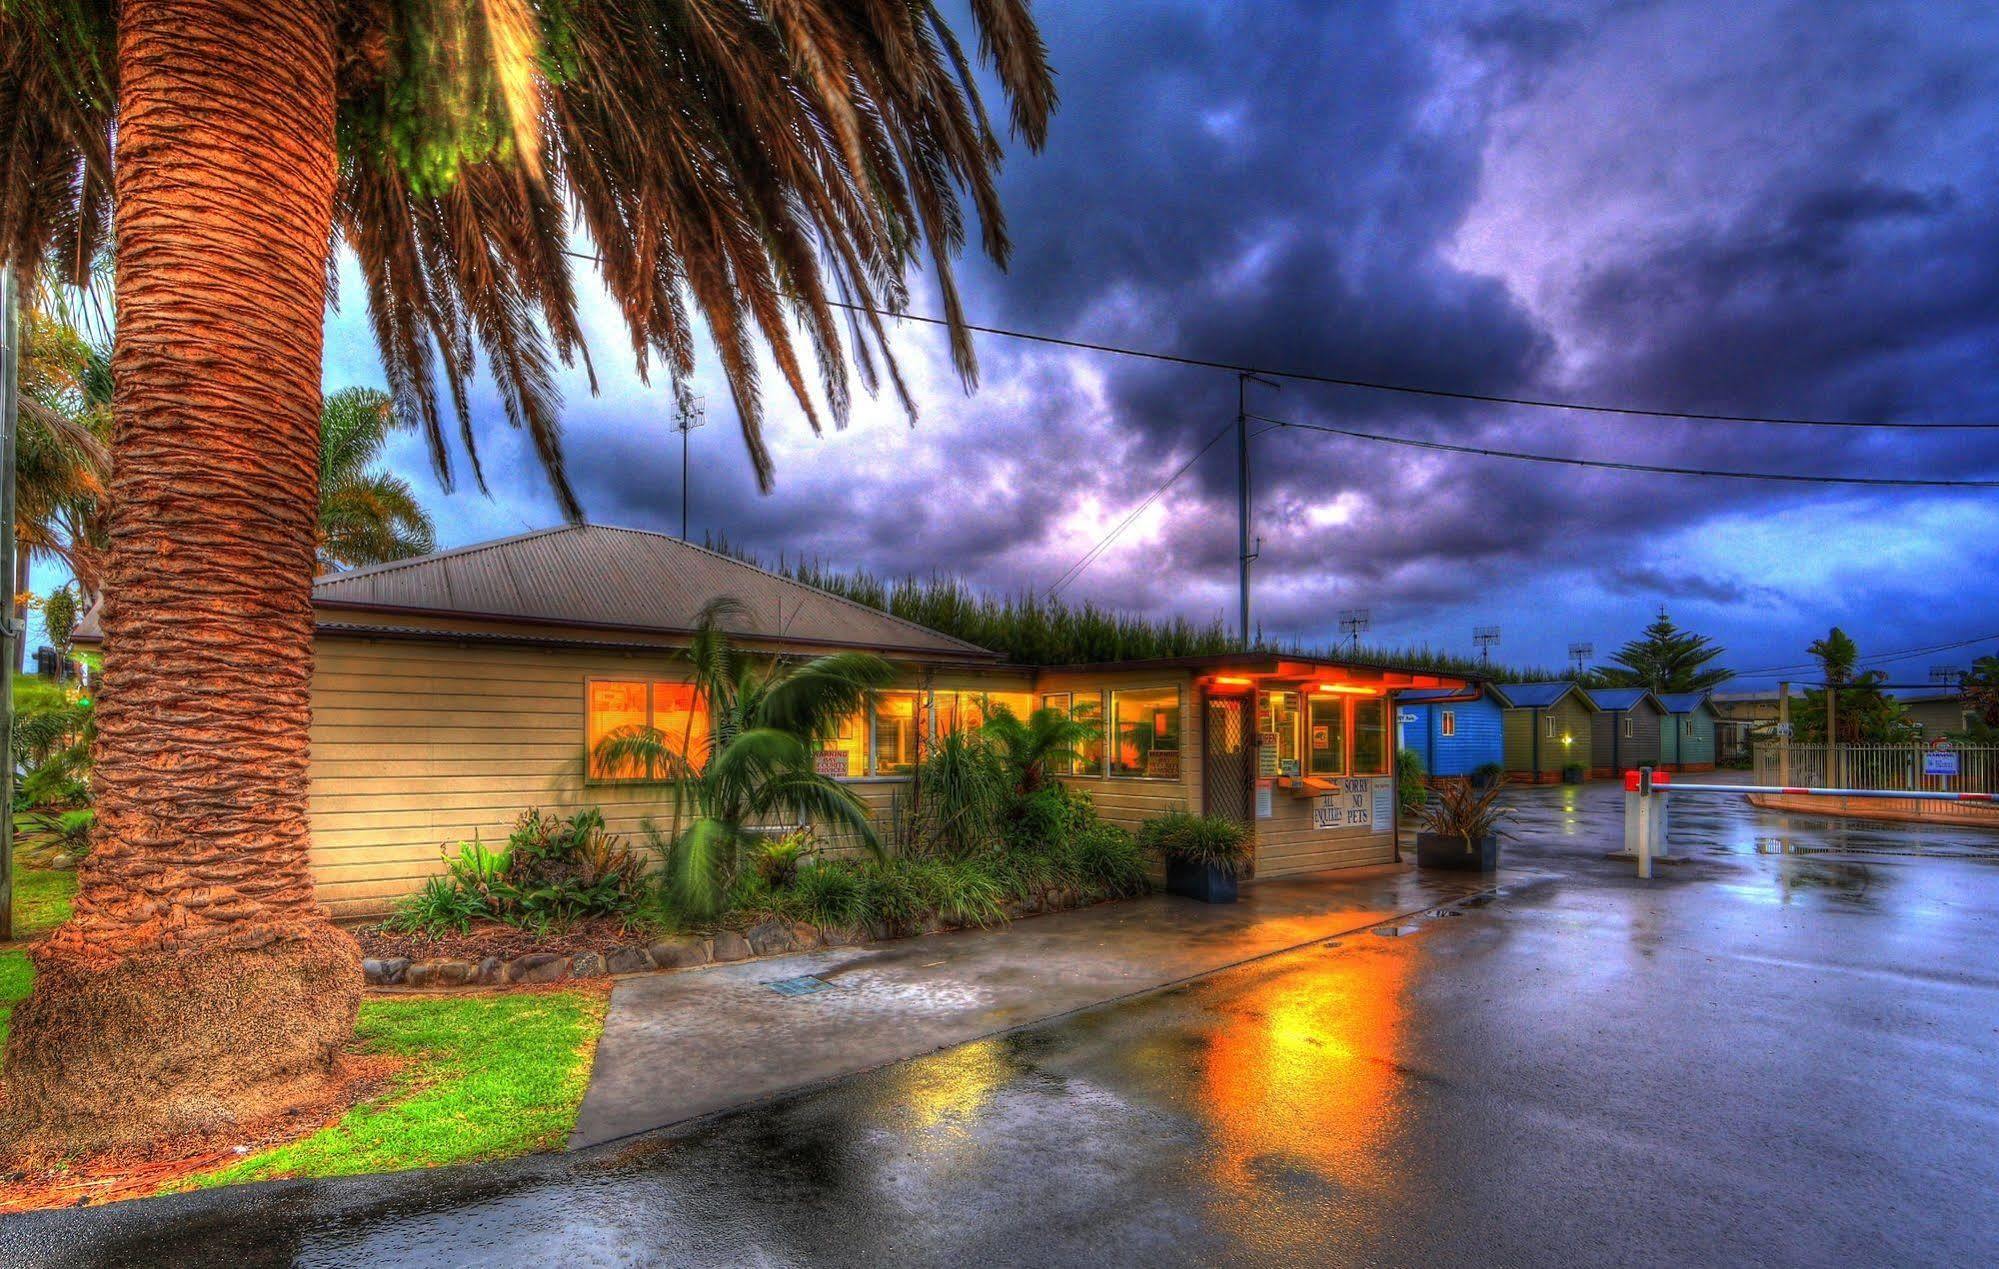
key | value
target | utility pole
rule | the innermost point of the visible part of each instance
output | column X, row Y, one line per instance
column 10, row 387
column 1244, row 555
column 687, row 417
column 1784, row 735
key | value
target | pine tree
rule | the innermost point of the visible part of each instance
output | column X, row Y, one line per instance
column 1665, row 659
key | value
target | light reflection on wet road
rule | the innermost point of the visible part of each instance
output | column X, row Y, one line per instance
column 1764, row 1055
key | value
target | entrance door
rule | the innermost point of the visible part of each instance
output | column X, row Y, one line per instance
column 1225, row 759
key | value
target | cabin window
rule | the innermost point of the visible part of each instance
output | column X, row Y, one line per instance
column 1630, row 727
column 1553, row 732
column 617, row 708
column 896, row 726
column 1370, row 736
column 1286, row 723
column 1145, row 743
column 1687, row 725
column 1447, row 723
column 1326, row 754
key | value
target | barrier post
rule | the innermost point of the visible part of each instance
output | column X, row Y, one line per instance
column 1634, row 813
column 1657, row 822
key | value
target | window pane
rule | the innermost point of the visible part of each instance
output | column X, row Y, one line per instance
column 895, row 733
column 845, row 752
column 1059, row 702
column 1370, row 736
column 610, row 709
column 681, row 718
column 1287, row 721
column 1148, row 734
column 1450, row 727
column 1087, row 708
column 1326, row 748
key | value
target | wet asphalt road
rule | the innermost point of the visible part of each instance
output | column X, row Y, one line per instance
column 1784, row 1050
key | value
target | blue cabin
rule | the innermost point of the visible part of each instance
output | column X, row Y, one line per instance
column 1455, row 732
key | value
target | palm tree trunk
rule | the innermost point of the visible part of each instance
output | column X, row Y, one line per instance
column 200, row 988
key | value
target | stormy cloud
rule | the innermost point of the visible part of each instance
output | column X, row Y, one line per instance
column 1761, row 208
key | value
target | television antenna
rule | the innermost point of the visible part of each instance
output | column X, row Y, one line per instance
column 1352, row 622
column 1580, row 653
column 1485, row 637
column 1947, row 675
column 688, row 414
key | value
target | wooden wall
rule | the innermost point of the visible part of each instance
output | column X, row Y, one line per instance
column 1287, row 842
column 420, row 745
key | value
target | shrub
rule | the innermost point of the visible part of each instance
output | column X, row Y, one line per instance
column 1409, row 786
column 830, row 893
column 1465, row 811
column 962, row 891
column 962, row 788
column 1109, row 862
column 551, row 871
column 1487, row 773
column 1200, row 840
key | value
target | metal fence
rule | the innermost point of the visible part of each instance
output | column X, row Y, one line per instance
column 1886, row 767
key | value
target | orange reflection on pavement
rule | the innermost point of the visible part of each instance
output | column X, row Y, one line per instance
column 1302, row 1078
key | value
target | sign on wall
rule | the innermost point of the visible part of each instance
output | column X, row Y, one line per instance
column 1359, row 802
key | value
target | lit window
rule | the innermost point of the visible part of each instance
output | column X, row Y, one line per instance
column 1287, row 722
column 1326, row 754
column 1552, row 732
column 1370, row 736
column 1687, row 727
column 845, row 753
column 1447, row 723
column 1147, row 741
column 896, row 732
column 619, row 708
column 968, row 711
column 1086, row 708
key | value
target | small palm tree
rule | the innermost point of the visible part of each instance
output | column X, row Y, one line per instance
column 1049, row 736
column 766, row 720
column 366, row 515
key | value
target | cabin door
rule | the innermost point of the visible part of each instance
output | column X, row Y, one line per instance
column 1226, row 759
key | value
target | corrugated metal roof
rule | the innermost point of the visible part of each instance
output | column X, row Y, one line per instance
column 1542, row 695
column 624, row 579
column 1621, row 697
column 1682, row 702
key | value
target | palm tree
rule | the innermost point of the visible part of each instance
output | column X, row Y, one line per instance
column 744, row 168
column 62, row 460
column 366, row 516
column 765, row 720
column 1049, row 736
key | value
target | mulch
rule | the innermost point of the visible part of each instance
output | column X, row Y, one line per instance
column 116, row 1175
column 493, row 938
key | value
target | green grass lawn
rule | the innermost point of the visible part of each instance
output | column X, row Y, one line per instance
column 41, row 901
column 489, row 1076
column 17, row 974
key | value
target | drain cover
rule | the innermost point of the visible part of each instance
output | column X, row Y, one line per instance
column 798, row 986
column 1394, row 931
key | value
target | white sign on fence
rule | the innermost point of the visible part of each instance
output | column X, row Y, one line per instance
column 1940, row 762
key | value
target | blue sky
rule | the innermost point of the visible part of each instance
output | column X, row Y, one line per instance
column 1743, row 208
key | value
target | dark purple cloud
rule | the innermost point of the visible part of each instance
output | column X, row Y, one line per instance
column 1757, row 208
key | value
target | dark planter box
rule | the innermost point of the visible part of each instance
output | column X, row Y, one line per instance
column 1484, row 782
column 1573, row 775
column 1205, row 882
column 1443, row 850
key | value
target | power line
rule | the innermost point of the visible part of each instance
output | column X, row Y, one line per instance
column 1881, row 658
column 1379, row 385
column 1608, row 465
column 1091, row 556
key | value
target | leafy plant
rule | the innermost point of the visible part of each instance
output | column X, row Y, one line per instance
column 1410, row 787
column 830, row 894
column 1487, row 774
column 441, row 905
column 1462, row 810
column 963, row 788
column 767, row 719
column 54, row 726
column 1199, row 840
column 552, row 871
column 1048, row 737
column 57, row 832
column 779, row 860
column 1108, row 862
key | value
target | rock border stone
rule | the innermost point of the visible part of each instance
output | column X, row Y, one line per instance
column 769, row 937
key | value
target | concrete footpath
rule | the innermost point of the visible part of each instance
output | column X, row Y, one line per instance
column 683, row 1045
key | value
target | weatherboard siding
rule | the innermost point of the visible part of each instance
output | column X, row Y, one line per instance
column 1288, row 844
column 1616, row 747
column 418, row 745
column 1572, row 718
column 1478, row 739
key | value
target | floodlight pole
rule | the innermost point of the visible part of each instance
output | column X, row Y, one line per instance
column 10, row 375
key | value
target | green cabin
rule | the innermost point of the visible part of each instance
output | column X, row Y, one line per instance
column 1686, row 738
column 1548, row 728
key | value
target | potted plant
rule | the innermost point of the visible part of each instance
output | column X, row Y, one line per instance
column 1461, row 828
column 1204, row 854
column 1573, row 773
column 1487, row 774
